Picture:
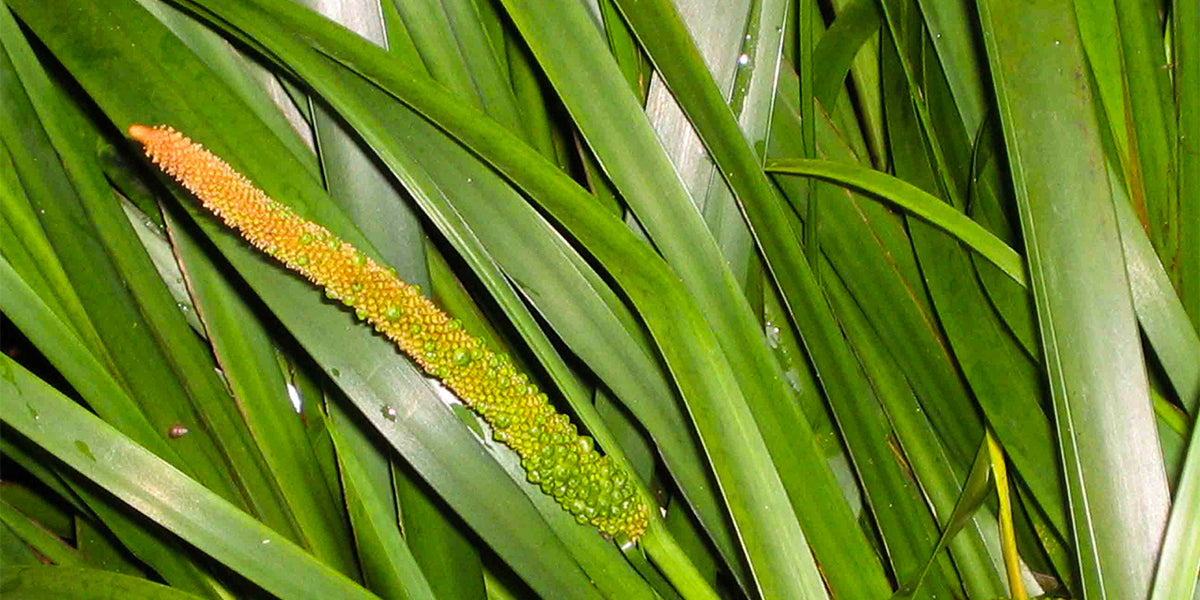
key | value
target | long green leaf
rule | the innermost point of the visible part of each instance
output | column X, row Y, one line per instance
column 32, row 533
column 74, row 583
column 915, row 200
column 129, row 351
column 1160, row 312
column 248, row 360
column 219, row 447
column 387, row 561
column 1089, row 338
column 1186, row 21
column 1179, row 562
column 161, row 492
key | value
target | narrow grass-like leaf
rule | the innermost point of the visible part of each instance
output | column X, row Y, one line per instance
column 158, row 549
column 1012, row 561
column 112, row 310
column 40, row 504
column 855, row 24
column 657, row 25
column 864, row 114
column 162, row 492
column 106, row 397
column 1148, row 95
column 32, row 533
column 247, row 357
column 1004, row 380
column 1179, row 562
column 74, row 583
column 30, row 252
column 959, row 50
column 163, row 353
column 391, row 571
column 872, row 252
column 1090, row 343
column 1160, row 312
column 892, row 495
column 974, row 491
column 914, row 200
column 914, row 438
column 246, row 79
column 1186, row 21
column 625, row 49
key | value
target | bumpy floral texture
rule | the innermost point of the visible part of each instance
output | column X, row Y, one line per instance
column 563, row 463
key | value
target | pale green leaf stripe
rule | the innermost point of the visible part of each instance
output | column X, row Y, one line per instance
column 161, row 492
column 915, row 200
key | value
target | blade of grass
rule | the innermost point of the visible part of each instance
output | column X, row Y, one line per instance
column 1186, row 35
column 856, row 23
column 865, row 77
column 246, row 79
column 1180, row 559
column 159, row 550
column 1148, row 96
column 871, row 249
column 1157, row 313
column 218, row 433
column 1090, row 343
column 41, row 504
column 913, row 199
column 31, row 253
column 657, row 25
column 113, row 310
column 48, row 545
column 73, row 583
column 1012, row 561
column 158, row 490
column 247, row 358
column 917, row 442
column 389, row 565
column 1161, row 314
column 906, row 527
column 625, row 49
column 1005, row 382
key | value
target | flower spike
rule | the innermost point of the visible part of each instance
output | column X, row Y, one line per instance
column 563, row 463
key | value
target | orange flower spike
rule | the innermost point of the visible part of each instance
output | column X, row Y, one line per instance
column 563, row 463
